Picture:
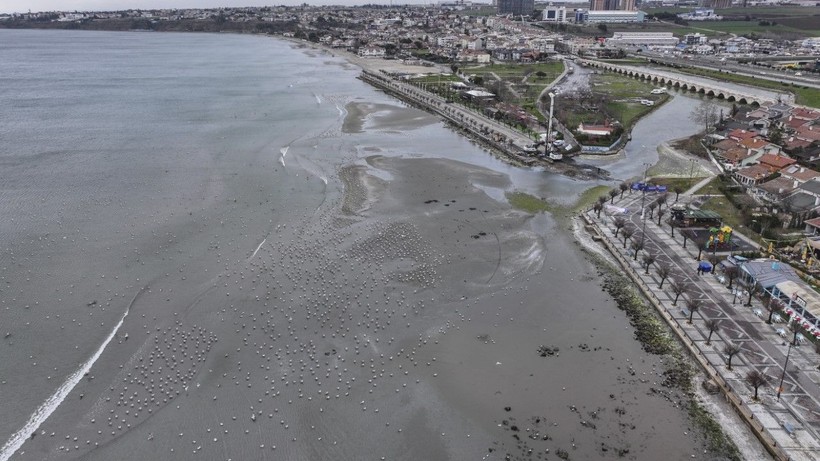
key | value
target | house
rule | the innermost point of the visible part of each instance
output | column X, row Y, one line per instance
column 372, row 52
column 775, row 190
column 752, row 175
column 739, row 135
column 596, row 130
column 799, row 173
column 766, row 273
column 775, row 162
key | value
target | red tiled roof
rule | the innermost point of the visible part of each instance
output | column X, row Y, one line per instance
column 725, row 144
column 754, row 172
column 799, row 173
column 814, row 222
column 776, row 161
column 753, row 143
column 809, row 133
column 806, row 114
column 739, row 134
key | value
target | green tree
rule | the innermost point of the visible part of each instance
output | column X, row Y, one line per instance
column 602, row 27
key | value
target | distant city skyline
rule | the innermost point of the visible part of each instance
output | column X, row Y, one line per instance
column 24, row 6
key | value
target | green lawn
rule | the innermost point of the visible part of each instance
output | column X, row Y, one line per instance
column 730, row 214
column 713, row 28
column 711, row 188
column 671, row 183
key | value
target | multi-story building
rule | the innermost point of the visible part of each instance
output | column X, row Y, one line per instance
column 554, row 14
column 628, row 5
column 609, row 16
column 596, row 5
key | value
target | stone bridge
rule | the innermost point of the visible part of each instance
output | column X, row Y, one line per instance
column 679, row 81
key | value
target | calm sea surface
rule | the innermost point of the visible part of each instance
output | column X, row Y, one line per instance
column 198, row 262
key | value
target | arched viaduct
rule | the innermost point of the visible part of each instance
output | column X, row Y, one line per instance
column 680, row 82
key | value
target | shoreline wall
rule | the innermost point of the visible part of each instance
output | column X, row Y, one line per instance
column 737, row 403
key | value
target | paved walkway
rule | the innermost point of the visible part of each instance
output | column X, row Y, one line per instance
column 790, row 425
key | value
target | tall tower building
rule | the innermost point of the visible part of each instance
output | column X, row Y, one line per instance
column 596, row 5
column 516, row 7
column 628, row 5
column 611, row 5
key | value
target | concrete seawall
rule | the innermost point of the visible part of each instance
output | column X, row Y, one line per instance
column 737, row 403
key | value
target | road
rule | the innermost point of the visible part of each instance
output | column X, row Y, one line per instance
column 763, row 349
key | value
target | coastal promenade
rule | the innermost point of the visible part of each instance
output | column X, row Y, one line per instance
column 787, row 425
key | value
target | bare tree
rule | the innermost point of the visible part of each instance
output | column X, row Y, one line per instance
column 612, row 194
column 774, row 305
column 602, row 199
column 663, row 272
column 731, row 273
column 753, row 289
column 648, row 260
column 706, row 113
column 731, row 349
column 637, row 245
column 660, row 215
column 693, row 305
column 701, row 241
column 678, row 190
column 712, row 325
column 627, row 233
column 623, row 187
column 662, row 200
column 672, row 226
column 619, row 223
column 651, row 207
column 678, row 287
column 597, row 207
column 756, row 379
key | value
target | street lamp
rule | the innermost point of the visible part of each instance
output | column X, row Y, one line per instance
column 783, row 375
column 549, row 124
column 643, row 200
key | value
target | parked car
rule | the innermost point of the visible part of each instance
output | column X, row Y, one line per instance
column 647, row 187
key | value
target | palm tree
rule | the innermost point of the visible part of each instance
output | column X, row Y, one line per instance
column 597, row 207
column 663, row 272
column 612, row 194
column 775, row 305
column 619, row 222
column 756, row 379
column 623, row 186
column 712, row 325
column 731, row 349
column 693, row 305
column 660, row 215
column 731, row 273
column 627, row 233
column 637, row 245
column 651, row 207
column 648, row 260
column 678, row 190
column 678, row 287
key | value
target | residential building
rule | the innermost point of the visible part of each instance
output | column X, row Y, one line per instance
column 752, row 175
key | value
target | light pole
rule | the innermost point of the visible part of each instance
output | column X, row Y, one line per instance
column 643, row 201
column 783, row 375
column 549, row 124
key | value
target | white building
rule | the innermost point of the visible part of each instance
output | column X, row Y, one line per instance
column 611, row 16
column 650, row 39
column 554, row 14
